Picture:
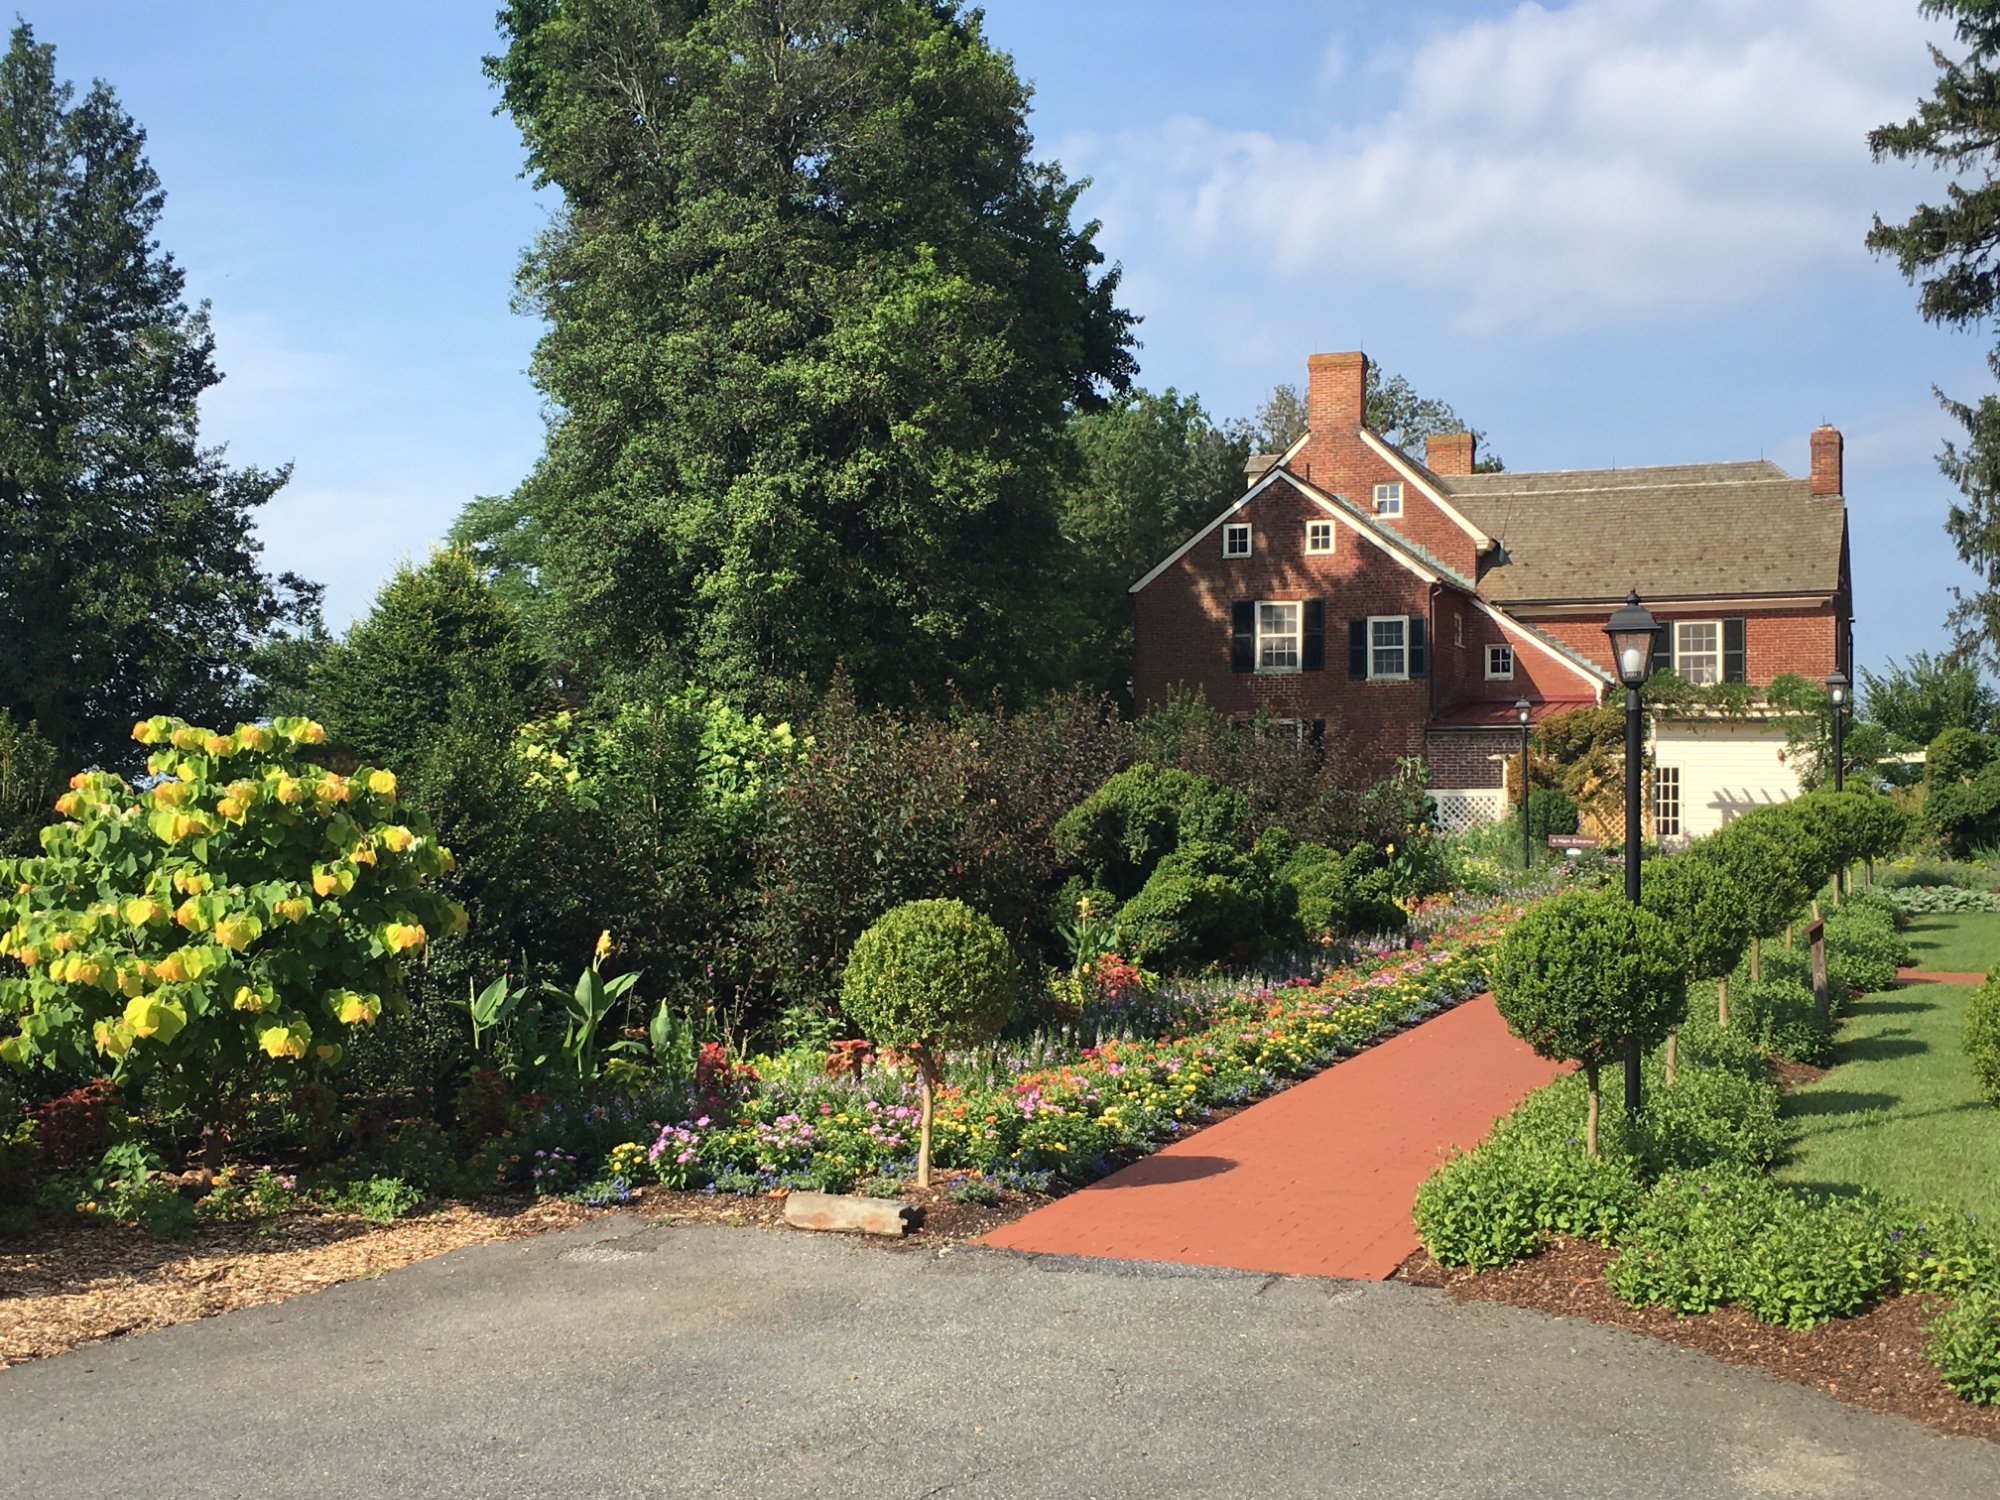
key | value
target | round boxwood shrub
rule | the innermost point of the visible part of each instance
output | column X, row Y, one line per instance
column 1769, row 859
column 927, row 976
column 1701, row 902
column 1982, row 1037
column 1121, row 831
column 1585, row 973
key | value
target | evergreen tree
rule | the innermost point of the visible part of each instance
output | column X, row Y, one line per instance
column 1949, row 250
column 439, row 642
column 129, row 576
column 816, row 323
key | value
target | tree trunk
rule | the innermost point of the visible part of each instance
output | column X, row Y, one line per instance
column 1788, row 937
column 1673, row 1052
column 1756, row 960
column 1590, row 1124
column 925, row 1066
column 1722, row 1003
column 1871, row 873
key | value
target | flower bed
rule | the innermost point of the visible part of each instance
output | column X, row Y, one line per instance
column 1062, row 1107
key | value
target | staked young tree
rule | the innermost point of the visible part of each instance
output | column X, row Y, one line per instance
column 130, row 580
column 816, row 324
column 1951, row 252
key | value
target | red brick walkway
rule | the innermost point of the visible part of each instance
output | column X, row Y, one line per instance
column 1315, row 1181
column 1937, row 976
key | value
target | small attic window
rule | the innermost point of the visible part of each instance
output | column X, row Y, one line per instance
column 1389, row 498
column 1319, row 536
column 1236, row 539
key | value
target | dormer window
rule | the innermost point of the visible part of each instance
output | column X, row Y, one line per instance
column 1236, row 539
column 1389, row 498
column 1319, row 536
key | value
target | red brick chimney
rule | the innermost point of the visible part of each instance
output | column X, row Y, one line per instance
column 1826, row 464
column 1334, row 393
column 1449, row 452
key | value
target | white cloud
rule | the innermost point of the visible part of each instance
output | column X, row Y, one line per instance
column 1555, row 167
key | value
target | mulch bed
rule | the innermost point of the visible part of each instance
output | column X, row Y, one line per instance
column 1875, row 1360
column 64, row 1288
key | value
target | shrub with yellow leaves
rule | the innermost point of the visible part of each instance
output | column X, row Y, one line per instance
column 229, row 916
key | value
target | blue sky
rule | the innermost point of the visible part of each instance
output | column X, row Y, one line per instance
column 1608, row 232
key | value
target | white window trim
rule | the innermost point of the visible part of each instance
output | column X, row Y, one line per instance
column 1679, row 656
column 1313, row 551
column 1506, row 676
column 1389, row 498
column 1297, row 636
column 1402, row 676
column 1660, row 776
column 1230, row 532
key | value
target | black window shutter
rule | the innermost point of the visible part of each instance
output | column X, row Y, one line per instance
column 1357, row 648
column 1243, row 636
column 1663, row 647
column 1312, row 647
column 1733, row 659
column 1416, row 646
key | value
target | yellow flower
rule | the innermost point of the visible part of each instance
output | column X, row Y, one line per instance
column 68, row 803
column 172, row 969
column 310, row 733
column 170, row 793
column 219, row 744
column 604, row 943
column 382, row 783
column 291, row 791
column 396, row 838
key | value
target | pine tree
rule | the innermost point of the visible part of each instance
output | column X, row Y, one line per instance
column 1949, row 251
column 129, row 577
column 816, row 325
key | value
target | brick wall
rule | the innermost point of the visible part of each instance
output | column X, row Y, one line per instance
column 1461, row 676
column 1336, row 459
column 1774, row 641
column 1182, row 633
column 1464, row 757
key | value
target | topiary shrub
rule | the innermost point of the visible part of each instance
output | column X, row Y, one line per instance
column 1700, row 901
column 1864, row 947
column 928, row 976
column 1121, row 832
column 1338, row 895
column 1769, row 859
column 1779, row 1012
column 1551, row 810
column 1584, row 974
column 221, row 927
column 1982, row 1037
column 1202, row 903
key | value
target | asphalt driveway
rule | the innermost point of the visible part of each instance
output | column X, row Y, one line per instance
column 632, row 1359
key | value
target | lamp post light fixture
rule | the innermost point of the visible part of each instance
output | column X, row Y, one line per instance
column 1522, row 709
column 1633, row 631
column 1836, row 695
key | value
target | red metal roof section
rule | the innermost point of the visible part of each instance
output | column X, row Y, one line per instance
column 1500, row 715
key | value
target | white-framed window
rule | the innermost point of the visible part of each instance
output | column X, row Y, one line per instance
column 1698, row 650
column 1278, row 636
column 1666, row 802
column 1389, row 498
column 1236, row 539
column 1388, row 646
column 1499, row 663
column 1319, row 536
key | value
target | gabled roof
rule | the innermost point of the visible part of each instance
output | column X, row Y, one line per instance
column 1434, row 487
column 1417, row 559
column 1673, row 531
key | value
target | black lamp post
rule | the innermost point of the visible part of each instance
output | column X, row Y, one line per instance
column 1521, row 709
column 1836, row 695
column 1633, row 630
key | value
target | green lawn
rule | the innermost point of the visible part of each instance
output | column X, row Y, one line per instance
column 1898, row 1111
column 1964, row 943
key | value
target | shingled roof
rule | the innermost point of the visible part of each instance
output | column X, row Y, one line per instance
column 1675, row 531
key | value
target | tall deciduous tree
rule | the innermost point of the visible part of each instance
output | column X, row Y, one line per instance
column 1951, row 251
column 1154, row 468
column 129, row 575
column 816, row 323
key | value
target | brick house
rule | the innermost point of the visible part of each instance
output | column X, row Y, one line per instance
column 1385, row 607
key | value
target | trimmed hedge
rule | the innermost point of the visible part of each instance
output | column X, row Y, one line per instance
column 1982, row 1037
